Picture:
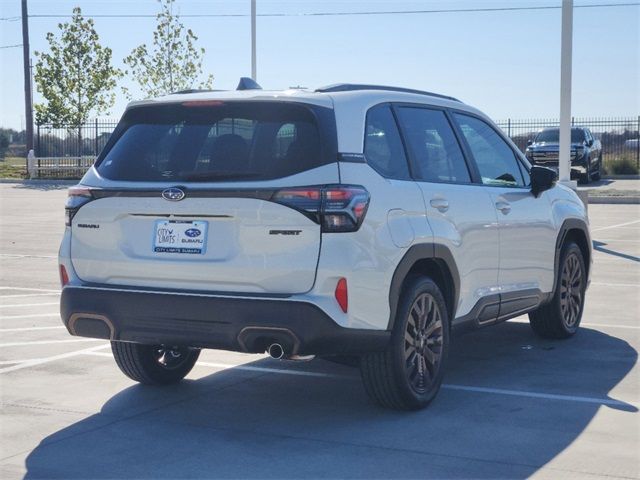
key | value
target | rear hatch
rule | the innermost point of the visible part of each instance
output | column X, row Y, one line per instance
column 196, row 196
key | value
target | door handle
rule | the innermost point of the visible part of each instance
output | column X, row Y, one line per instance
column 440, row 204
column 504, row 207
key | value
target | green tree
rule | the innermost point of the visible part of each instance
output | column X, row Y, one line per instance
column 173, row 62
column 5, row 137
column 75, row 77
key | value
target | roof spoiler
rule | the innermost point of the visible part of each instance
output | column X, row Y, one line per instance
column 247, row 83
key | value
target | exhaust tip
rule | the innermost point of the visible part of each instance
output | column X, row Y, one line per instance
column 276, row 351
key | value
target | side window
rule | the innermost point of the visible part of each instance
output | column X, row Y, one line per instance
column 437, row 155
column 382, row 144
column 496, row 161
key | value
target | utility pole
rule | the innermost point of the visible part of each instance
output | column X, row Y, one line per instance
column 254, row 68
column 564, row 154
column 28, row 97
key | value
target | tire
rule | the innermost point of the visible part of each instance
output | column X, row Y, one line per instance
column 597, row 175
column 154, row 364
column 561, row 317
column 408, row 373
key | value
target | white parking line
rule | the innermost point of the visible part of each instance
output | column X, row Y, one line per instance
column 588, row 324
column 605, row 284
column 28, row 329
column 546, row 396
column 615, row 226
column 50, row 342
column 29, row 305
column 35, row 315
column 25, row 295
column 40, row 361
column 29, row 289
column 24, row 255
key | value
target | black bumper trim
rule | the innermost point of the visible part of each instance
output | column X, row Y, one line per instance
column 227, row 323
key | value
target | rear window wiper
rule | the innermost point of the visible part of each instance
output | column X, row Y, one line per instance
column 219, row 175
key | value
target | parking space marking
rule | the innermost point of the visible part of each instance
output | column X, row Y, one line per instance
column 23, row 255
column 30, row 289
column 17, row 305
column 546, row 396
column 29, row 329
column 35, row 315
column 50, row 342
column 448, row 386
column 40, row 361
column 605, row 284
column 615, row 226
column 589, row 324
column 25, row 295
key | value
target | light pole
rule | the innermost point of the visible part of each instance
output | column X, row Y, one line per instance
column 564, row 154
column 254, row 68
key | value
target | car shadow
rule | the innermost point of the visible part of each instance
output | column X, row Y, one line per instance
column 314, row 420
column 600, row 246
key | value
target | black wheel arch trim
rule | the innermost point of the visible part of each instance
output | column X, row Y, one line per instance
column 422, row 251
column 569, row 225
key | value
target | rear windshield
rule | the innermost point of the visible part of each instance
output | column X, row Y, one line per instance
column 553, row 135
column 218, row 141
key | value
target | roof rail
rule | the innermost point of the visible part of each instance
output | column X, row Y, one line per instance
column 350, row 87
column 194, row 90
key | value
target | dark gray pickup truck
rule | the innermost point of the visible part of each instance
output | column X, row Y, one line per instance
column 586, row 152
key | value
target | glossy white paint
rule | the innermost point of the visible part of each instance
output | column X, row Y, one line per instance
column 463, row 219
column 493, row 251
column 528, row 237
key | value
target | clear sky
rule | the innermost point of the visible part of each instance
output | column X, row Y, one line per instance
column 505, row 63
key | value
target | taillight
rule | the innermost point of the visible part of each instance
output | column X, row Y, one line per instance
column 337, row 208
column 76, row 197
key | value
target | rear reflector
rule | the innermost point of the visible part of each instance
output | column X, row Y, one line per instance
column 342, row 295
column 64, row 277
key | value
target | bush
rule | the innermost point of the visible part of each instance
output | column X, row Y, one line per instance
column 622, row 165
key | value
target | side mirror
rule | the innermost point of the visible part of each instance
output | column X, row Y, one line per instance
column 529, row 142
column 542, row 178
column 590, row 143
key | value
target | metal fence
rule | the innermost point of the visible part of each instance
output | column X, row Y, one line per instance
column 73, row 141
column 73, row 147
column 617, row 135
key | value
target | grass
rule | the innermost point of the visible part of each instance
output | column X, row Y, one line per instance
column 622, row 164
column 12, row 171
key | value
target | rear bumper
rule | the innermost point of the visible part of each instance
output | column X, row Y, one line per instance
column 207, row 321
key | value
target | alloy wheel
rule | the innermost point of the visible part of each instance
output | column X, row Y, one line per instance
column 423, row 342
column 571, row 290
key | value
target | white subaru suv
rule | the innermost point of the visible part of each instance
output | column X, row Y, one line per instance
column 353, row 221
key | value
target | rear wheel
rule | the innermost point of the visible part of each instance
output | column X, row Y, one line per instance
column 154, row 364
column 561, row 317
column 408, row 373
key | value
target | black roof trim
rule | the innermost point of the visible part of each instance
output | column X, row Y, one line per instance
column 195, row 90
column 350, row 87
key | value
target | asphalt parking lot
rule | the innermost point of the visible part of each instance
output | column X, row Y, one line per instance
column 513, row 405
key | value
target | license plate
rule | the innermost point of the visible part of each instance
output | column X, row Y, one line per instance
column 172, row 236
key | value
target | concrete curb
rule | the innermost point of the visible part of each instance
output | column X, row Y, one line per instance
column 621, row 177
column 594, row 200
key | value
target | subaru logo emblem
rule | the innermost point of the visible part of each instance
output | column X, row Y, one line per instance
column 173, row 194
